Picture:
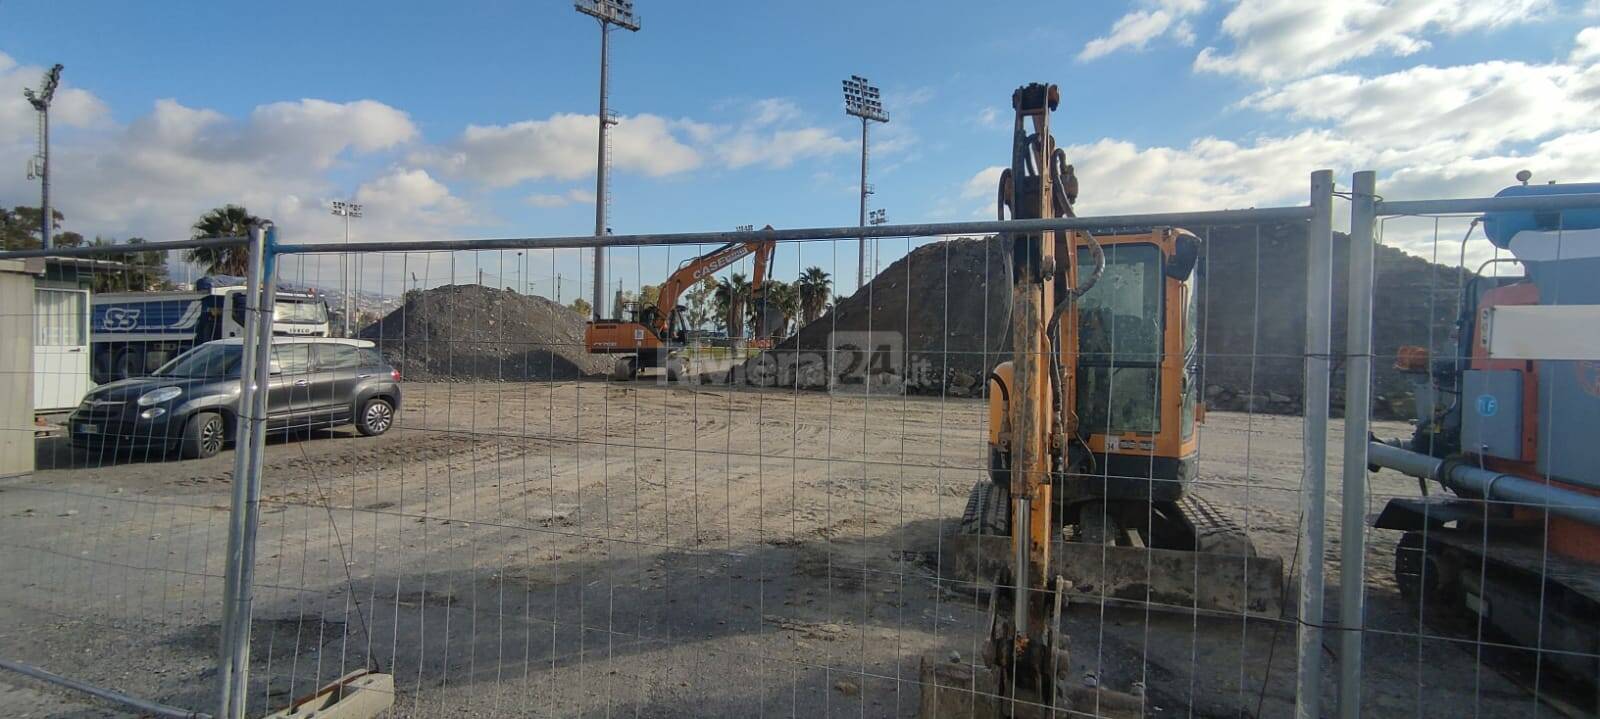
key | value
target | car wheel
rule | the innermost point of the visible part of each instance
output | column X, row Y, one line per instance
column 377, row 416
column 203, row 436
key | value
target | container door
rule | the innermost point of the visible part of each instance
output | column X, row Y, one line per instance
column 60, row 348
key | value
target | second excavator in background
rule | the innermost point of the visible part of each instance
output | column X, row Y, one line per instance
column 650, row 336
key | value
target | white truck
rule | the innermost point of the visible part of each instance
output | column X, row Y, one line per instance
column 133, row 333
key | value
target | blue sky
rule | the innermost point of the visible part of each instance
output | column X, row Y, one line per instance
column 475, row 119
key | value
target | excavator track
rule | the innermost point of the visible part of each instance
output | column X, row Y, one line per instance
column 1223, row 572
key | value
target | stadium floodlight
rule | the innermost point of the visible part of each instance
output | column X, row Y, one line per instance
column 40, row 165
column 347, row 210
column 862, row 99
column 615, row 12
column 619, row 13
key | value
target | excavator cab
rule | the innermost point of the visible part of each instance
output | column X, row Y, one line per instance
column 1138, row 359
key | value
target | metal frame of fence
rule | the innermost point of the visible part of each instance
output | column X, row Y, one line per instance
column 1366, row 207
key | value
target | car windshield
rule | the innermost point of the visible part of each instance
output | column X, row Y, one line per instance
column 212, row 360
column 299, row 311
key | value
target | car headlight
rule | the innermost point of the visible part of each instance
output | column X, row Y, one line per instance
column 157, row 396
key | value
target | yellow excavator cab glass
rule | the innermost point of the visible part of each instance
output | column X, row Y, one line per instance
column 1191, row 350
column 1119, row 340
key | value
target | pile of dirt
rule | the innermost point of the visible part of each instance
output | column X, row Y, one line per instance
column 472, row 332
column 937, row 321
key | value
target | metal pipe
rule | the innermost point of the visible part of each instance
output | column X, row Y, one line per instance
column 1313, row 475
column 1494, row 486
column 140, row 705
column 228, row 683
column 258, row 452
column 1206, row 218
column 91, row 251
column 600, row 178
column 1357, row 408
column 1019, row 566
column 1488, row 204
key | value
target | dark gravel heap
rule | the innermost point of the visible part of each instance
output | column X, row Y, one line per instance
column 945, row 304
column 472, row 332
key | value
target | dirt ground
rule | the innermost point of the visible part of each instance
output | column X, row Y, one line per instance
column 592, row 549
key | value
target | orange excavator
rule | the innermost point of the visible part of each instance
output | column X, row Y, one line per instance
column 652, row 336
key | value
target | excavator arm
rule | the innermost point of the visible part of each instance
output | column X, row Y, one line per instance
column 706, row 265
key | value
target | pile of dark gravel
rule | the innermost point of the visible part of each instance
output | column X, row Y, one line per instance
column 939, row 318
column 472, row 332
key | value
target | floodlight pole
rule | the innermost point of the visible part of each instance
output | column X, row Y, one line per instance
column 41, row 102
column 346, row 210
column 861, row 265
column 861, row 100
column 608, row 13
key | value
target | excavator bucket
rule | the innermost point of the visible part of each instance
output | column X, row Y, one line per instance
column 769, row 321
column 1222, row 573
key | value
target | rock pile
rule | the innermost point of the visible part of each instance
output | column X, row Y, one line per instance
column 472, row 332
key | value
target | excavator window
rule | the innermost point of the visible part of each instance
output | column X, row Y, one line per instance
column 1191, row 353
column 1119, row 342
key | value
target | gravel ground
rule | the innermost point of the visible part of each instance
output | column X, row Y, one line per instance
column 585, row 549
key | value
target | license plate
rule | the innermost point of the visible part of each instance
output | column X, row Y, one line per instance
column 88, row 429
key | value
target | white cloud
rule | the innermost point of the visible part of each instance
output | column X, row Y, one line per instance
column 1587, row 45
column 1135, row 30
column 1276, row 40
column 989, row 117
column 982, row 184
column 1430, row 112
column 562, row 147
column 570, row 197
column 772, row 134
column 154, row 175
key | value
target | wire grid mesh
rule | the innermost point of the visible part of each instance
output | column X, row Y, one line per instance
column 771, row 536
column 1485, row 588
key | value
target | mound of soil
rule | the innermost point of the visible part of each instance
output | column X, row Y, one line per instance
column 937, row 321
column 472, row 332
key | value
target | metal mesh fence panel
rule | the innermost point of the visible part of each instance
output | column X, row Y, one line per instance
column 799, row 503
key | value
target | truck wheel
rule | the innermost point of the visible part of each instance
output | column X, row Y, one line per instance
column 376, row 417
column 203, row 435
column 625, row 369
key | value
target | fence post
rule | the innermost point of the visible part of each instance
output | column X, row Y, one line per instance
column 249, row 444
column 1313, row 477
column 1357, row 420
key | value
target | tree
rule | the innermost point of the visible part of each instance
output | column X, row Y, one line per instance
column 813, row 288
column 145, row 270
column 225, row 221
column 700, row 303
column 650, row 295
column 19, row 229
column 582, row 307
column 731, row 296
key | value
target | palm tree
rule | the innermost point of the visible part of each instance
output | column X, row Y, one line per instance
column 813, row 293
column 731, row 296
column 225, row 221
